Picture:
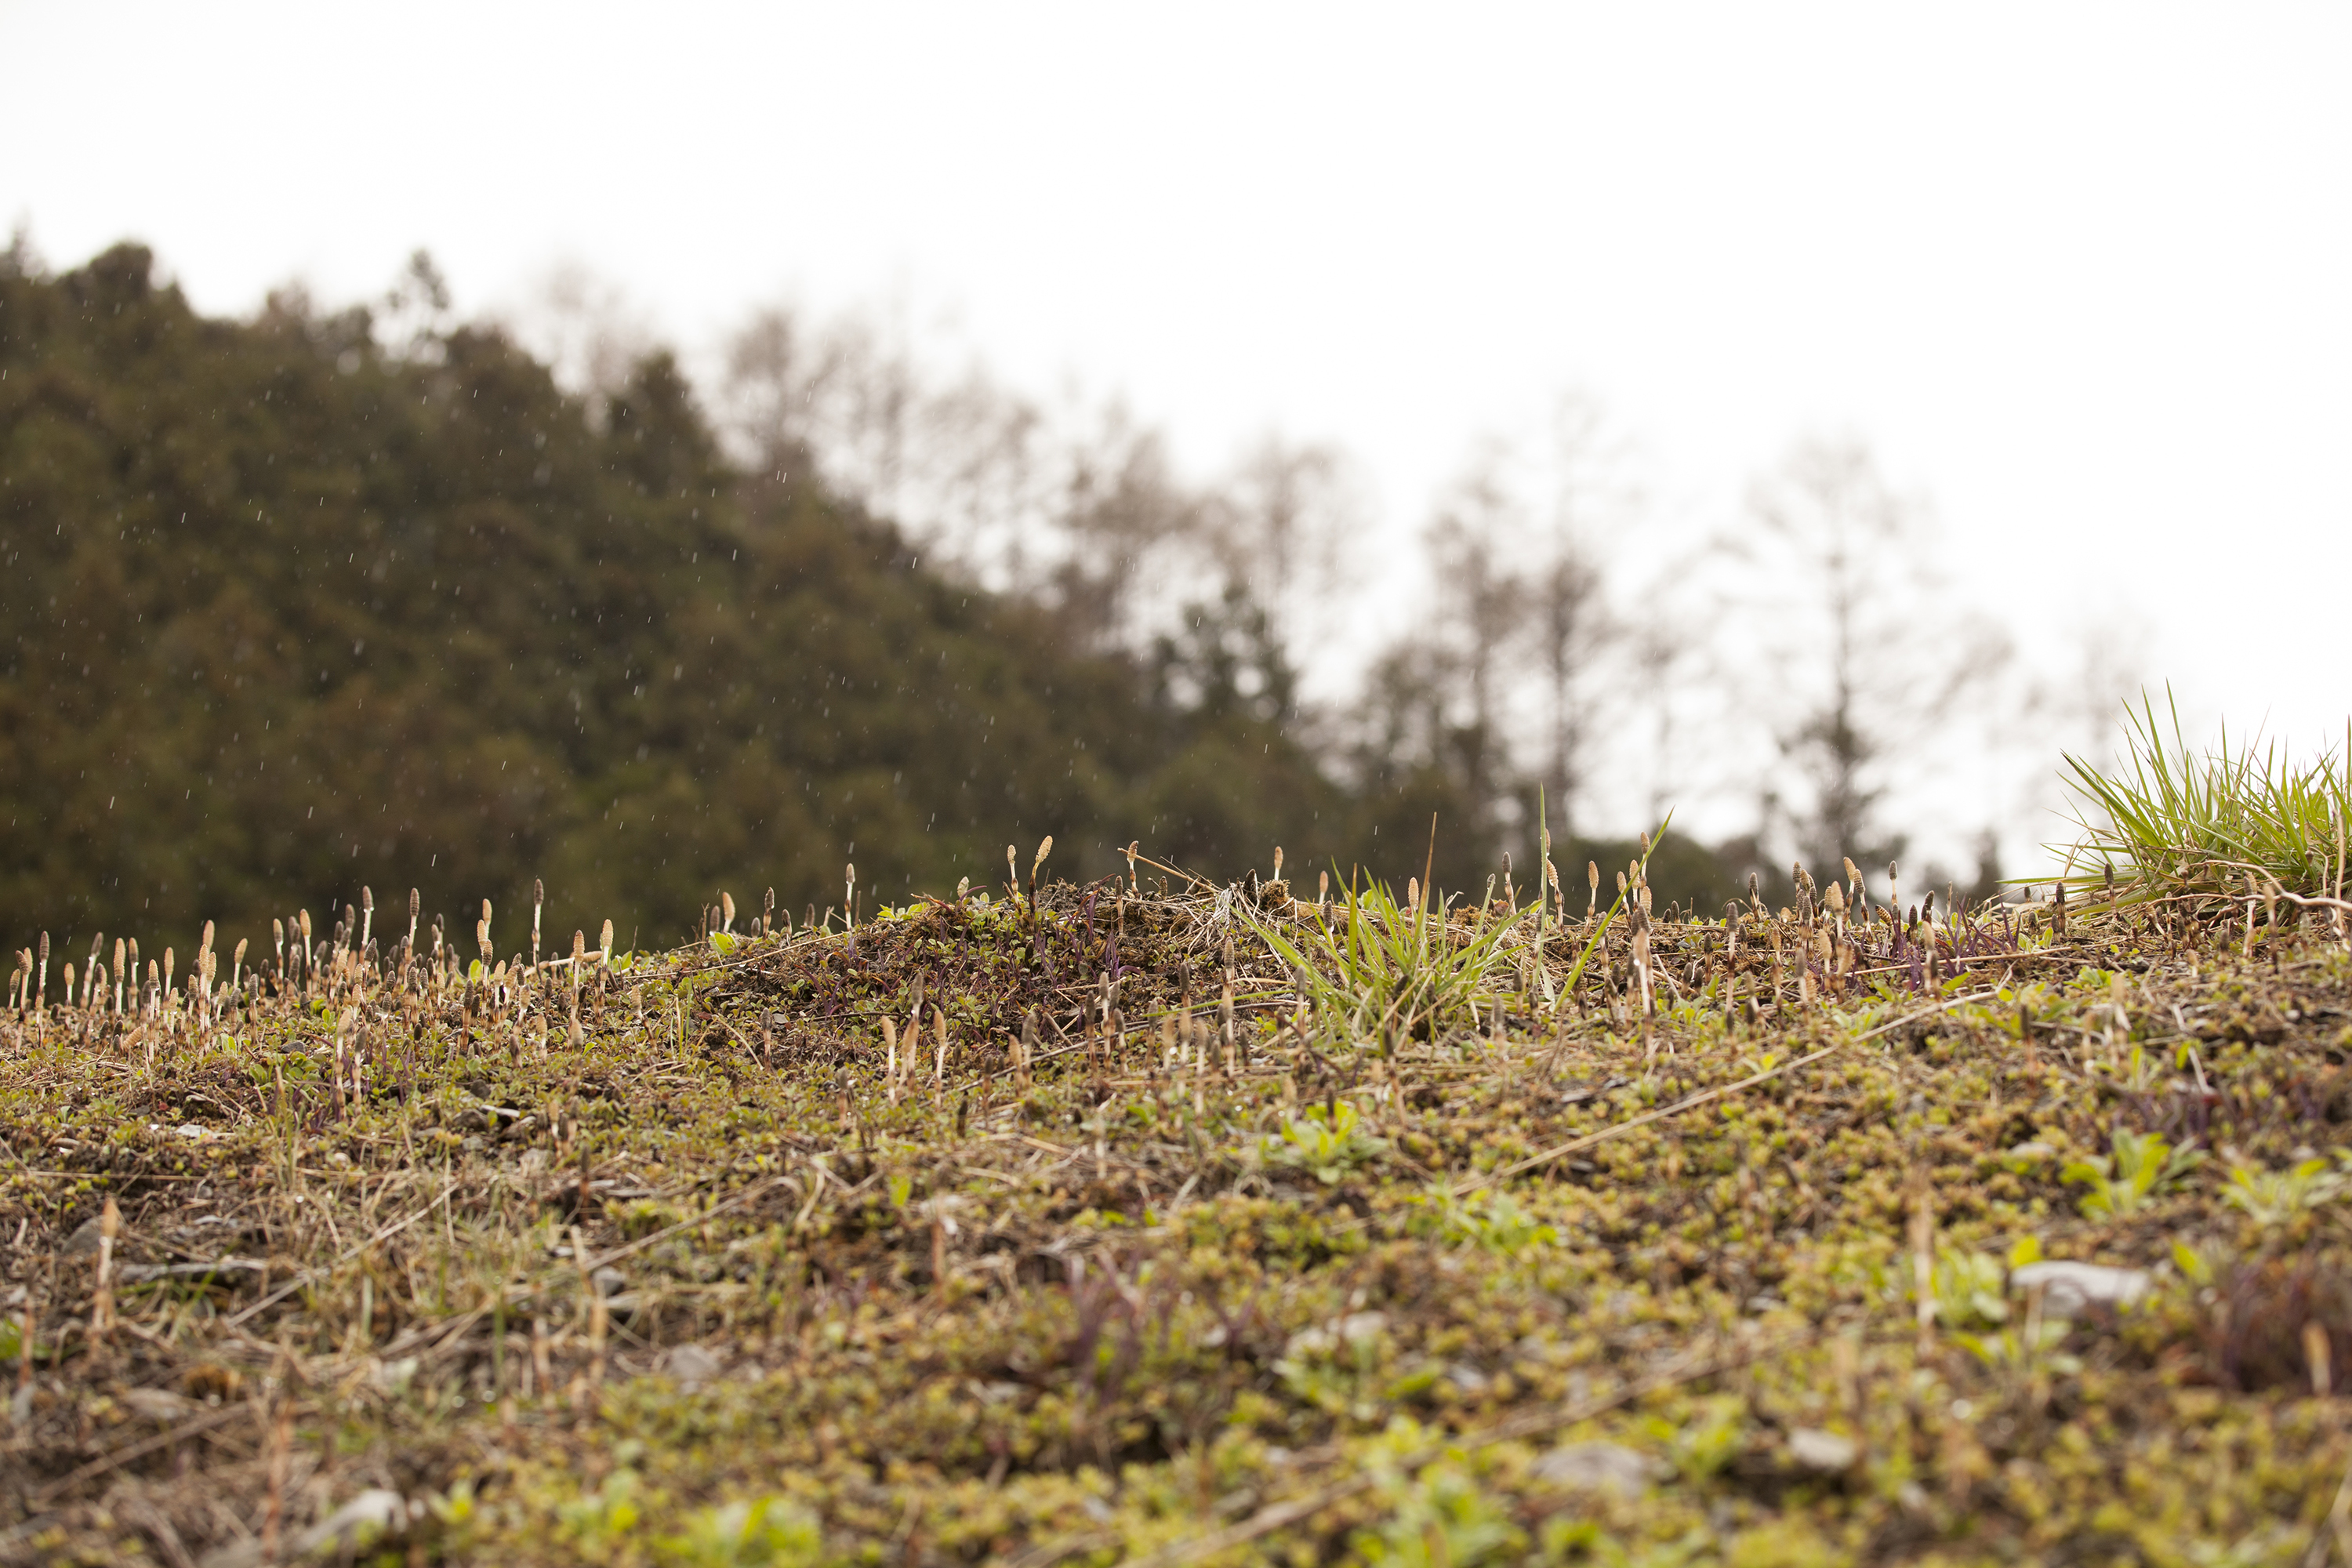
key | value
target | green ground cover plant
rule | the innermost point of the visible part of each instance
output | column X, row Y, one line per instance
column 1159, row 1219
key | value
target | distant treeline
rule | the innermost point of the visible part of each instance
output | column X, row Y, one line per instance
column 287, row 608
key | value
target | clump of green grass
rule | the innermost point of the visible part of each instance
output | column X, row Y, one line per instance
column 1389, row 971
column 2220, row 828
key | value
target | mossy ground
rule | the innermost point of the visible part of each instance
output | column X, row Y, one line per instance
column 1130, row 1302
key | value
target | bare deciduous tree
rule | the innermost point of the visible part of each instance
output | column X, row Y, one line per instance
column 586, row 329
column 1121, row 508
column 1867, row 653
column 1482, row 598
column 1281, row 521
column 1571, row 625
column 1084, row 510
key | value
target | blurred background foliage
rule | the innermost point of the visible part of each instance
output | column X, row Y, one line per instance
column 326, row 598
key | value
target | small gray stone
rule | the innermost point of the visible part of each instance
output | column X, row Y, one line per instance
column 2069, row 1287
column 692, row 1366
column 83, row 1242
column 158, row 1404
column 359, row 1522
column 1597, row 1468
column 1323, row 1338
column 1825, row 1453
column 1468, row 1379
column 609, row 1282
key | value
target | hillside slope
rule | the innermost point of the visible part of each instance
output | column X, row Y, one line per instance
column 286, row 610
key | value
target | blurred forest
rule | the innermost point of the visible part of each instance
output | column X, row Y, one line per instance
column 389, row 599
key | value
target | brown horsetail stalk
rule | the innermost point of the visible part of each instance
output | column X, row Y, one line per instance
column 579, row 962
column 1045, row 848
column 102, row 1304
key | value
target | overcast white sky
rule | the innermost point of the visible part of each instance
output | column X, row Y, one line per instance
column 2079, row 273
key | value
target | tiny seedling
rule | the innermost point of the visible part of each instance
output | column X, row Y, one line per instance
column 2272, row 1198
column 1499, row 1225
column 760, row 1533
column 2143, row 1166
column 1327, row 1144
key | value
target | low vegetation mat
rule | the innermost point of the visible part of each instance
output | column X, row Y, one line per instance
column 1155, row 1221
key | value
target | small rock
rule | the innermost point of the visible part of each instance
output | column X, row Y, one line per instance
column 1315, row 1339
column 83, row 1242
column 609, row 1282
column 692, row 1366
column 370, row 1514
column 393, row 1377
column 533, row 1163
column 1468, row 1379
column 1598, row 1468
column 1322, row 1339
column 158, row 1404
column 2069, row 1287
column 1824, row 1453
